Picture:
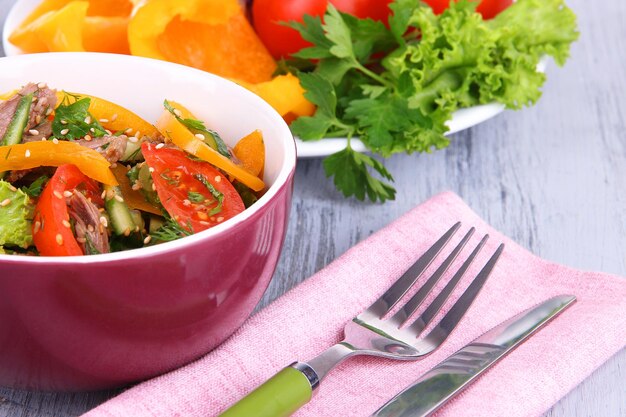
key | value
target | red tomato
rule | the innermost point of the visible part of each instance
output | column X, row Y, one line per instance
column 282, row 41
column 179, row 182
column 50, row 235
column 488, row 8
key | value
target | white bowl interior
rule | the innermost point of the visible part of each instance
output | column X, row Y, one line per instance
column 141, row 85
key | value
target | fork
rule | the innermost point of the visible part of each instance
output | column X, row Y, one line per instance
column 375, row 332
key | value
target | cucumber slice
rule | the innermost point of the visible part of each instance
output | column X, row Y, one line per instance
column 132, row 152
column 15, row 129
column 155, row 224
column 145, row 178
column 122, row 221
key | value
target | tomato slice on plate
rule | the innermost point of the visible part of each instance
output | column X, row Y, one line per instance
column 193, row 192
column 51, row 235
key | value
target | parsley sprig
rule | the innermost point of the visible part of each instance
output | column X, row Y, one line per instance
column 72, row 120
column 396, row 86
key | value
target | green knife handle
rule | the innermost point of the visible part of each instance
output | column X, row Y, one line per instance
column 280, row 396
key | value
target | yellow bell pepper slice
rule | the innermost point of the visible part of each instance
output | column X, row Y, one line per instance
column 212, row 35
column 250, row 150
column 112, row 116
column 48, row 153
column 284, row 93
column 175, row 131
column 133, row 199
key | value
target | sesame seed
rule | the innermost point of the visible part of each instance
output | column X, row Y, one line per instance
column 88, row 120
column 101, row 229
column 5, row 202
column 33, row 132
column 55, row 141
column 137, row 134
column 36, row 227
column 178, row 113
column 114, row 165
column 147, row 240
column 38, row 119
column 88, row 138
column 186, row 202
column 67, row 193
column 104, row 120
column 119, row 198
column 90, row 228
column 200, row 136
column 34, row 99
column 110, row 194
column 137, row 186
column 43, row 139
column 92, row 130
column 129, row 131
column 58, row 195
column 66, row 224
column 27, row 153
column 65, row 132
column 108, row 132
column 42, row 85
column 218, row 178
column 220, row 219
column 136, row 228
column 202, row 215
column 59, row 239
column 81, row 240
column 153, row 187
column 48, row 111
column 104, row 194
column 133, row 139
column 160, row 145
column 127, row 231
column 103, row 221
column 151, row 169
column 114, row 117
column 63, row 122
column 12, row 188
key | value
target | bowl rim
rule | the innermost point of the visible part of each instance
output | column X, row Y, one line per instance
column 287, row 169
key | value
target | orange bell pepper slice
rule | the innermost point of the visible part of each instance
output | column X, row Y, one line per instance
column 133, row 199
column 175, row 131
column 48, row 153
column 54, row 31
column 250, row 150
column 112, row 116
column 212, row 35
column 284, row 93
column 106, row 34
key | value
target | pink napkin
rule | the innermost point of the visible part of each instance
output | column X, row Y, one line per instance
column 311, row 317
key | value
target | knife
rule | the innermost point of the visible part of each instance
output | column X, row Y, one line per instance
column 455, row 373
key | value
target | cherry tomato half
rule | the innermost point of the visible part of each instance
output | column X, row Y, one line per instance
column 282, row 41
column 190, row 190
column 488, row 8
column 50, row 235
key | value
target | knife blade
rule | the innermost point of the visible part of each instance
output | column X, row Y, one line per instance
column 451, row 376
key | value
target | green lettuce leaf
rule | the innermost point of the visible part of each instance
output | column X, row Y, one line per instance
column 15, row 217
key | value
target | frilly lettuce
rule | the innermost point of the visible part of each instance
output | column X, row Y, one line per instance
column 15, row 217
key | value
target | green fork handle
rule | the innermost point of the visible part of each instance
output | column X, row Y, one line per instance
column 280, row 396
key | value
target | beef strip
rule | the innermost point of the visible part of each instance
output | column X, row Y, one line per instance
column 89, row 231
column 111, row 147
column 7, row 108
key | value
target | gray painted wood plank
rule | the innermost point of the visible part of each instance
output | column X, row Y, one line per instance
column 552, row 177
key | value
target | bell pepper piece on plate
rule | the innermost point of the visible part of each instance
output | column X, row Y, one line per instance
column 284, row 93
column 175, row 131
column 134, row 199
column 48, row 153
column 250, row 150
column 212, row 35
column 54, row 31
column 112, row 116
column 106, row 34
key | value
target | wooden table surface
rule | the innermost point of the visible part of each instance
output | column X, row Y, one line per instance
column 552, row 177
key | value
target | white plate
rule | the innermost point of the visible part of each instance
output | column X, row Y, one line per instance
column 461, row 119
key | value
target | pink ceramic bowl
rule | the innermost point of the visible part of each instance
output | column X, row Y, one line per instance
column 80, row 323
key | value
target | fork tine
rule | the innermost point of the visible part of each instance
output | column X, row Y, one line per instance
column 458, row 310
column 386, row 302
column 420, row 324
column 416, row 301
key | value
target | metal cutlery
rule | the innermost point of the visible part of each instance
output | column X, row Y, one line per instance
column 442, row 383
column 377, row 333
